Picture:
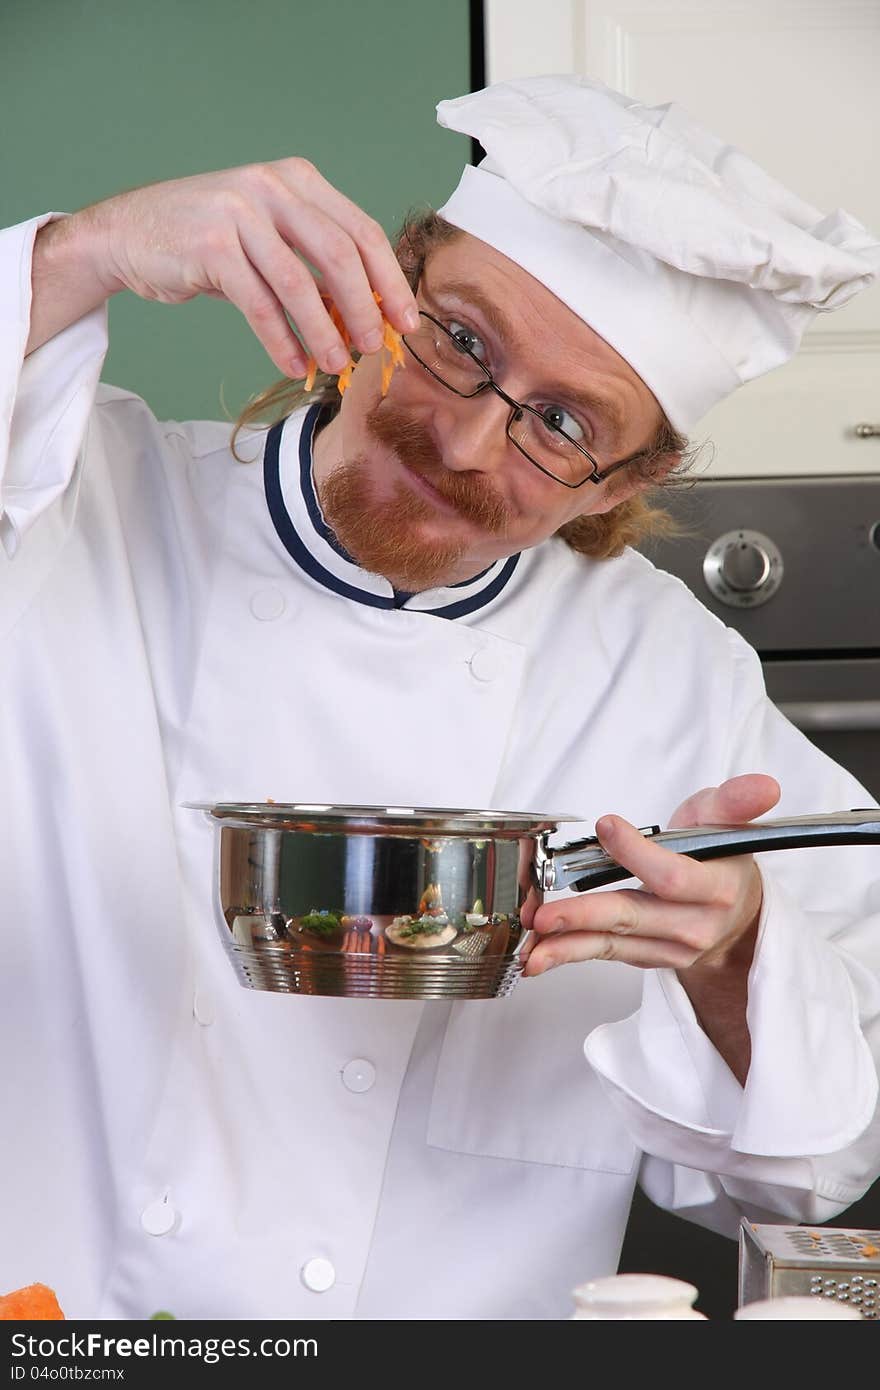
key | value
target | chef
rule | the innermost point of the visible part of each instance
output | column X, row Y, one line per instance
column 420, row 597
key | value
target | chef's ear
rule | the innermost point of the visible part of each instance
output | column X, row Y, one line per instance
column 625, row 480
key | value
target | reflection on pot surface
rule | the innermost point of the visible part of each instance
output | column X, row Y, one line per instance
column 410, row 918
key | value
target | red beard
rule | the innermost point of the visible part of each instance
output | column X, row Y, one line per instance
column 382, row 534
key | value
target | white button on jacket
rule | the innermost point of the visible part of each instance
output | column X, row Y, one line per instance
column 318, row 1275
column 484, row 665
column 268, row 604
column 359, row 1075
column 159, row 1217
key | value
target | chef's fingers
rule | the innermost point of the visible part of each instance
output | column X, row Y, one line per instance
column 677, row 877
column 296, row 288
column 248, row 291
column 634, row 913
column 529, row 908
column 735, row 802
column 674, row 877
column 383, row 271
column 568, row 948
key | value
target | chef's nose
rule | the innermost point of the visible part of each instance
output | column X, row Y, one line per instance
column 472, row 433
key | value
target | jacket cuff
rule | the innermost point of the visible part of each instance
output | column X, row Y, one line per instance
column 45, row 398
column 812, row 1084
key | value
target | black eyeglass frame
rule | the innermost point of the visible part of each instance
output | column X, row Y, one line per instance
column 517, row 410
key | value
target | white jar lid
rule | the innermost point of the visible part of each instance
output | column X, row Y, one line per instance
column 618, row 1291
column 796, row 1306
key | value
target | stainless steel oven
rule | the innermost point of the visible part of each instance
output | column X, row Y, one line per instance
column 794, row 565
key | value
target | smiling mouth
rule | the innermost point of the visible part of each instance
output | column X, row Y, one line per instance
column 457, row 501
column 428, row 491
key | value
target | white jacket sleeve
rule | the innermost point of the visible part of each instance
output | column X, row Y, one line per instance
column 802, row 1138
column 45, row 399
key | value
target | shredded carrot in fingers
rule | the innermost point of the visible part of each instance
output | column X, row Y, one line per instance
column 336, row 320
column 392, row 351
column 393, row 345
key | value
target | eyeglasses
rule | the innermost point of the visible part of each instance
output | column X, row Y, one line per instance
column 450, row 361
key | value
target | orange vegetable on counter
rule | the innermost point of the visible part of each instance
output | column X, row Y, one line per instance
column 33, row 1303
column 392, row 352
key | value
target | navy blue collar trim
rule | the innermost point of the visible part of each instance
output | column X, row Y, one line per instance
column 295, row 547
column 307, row 487
column 306, row 440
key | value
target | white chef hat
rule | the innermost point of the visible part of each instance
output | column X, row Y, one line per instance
column 693, row 263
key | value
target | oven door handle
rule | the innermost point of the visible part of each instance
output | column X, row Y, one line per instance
column 833, row 716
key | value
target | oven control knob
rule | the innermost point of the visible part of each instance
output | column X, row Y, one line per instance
column 743, row 569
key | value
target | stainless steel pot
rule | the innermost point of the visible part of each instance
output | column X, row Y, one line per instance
column 415, row 903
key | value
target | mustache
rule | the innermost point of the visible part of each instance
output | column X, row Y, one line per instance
column 471, row 494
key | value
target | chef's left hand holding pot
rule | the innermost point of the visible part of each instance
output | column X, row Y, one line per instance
column 699, row 919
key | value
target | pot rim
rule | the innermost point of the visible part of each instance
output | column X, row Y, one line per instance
column 417, row 821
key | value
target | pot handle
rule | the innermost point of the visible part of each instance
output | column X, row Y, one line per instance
column 583, row 864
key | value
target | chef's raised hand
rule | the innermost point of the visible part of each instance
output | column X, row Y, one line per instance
column 242, row 235
column 685, row 914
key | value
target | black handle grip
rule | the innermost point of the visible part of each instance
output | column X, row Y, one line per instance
column 585, row 865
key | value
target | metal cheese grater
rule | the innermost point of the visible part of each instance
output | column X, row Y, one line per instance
column 827, row 1262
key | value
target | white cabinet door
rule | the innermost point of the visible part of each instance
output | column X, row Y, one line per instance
column 794, row 84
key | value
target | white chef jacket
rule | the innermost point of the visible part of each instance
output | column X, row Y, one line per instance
column 176, row 626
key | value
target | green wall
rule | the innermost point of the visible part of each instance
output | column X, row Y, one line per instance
column 97, row 96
